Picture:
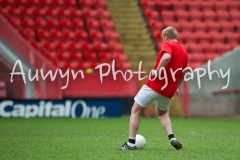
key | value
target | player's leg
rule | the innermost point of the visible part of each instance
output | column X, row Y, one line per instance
column 136, row 112
column 162, row 107
column 142, row 100
column 164, row 120
column 166, row 124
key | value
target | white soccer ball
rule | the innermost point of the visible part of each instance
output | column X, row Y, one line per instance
column 140, row 141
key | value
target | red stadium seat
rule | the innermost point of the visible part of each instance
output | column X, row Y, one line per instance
column 73, row 12
column 63, row 55
column 64, row 64
column 71, row 45
column 68, row 34
column 27, row 22
column 55, row 34
column 52, row 22
column 115, row 46
column 111, row 36
column 222, row 15
column 182, row 15
column 195, row 48
column 234, row 44
column 222, row 47
column 90, row 56
column 213, row 26
column 163, row 5
column 86, row 4
column 149, row 4
column 233, row 5
column 57, row 45
column 199, row 26
column 103, row 14
column 92, row 24
column 100, row 4
column 180, row 5
column 76, row 65
column 151, row 14
column 85, row 46
column 34, row 11
column 29, row 33
column 157, row 35
column 207, row 5
column 195, row 65
column 76, row 55
column 41, row 2
column 168, row 15
column 187, row 36
column 81, row 34
column 96, row 35
column 208, row 47
column 57, row 3
column 105, row 56
column 45, row 45
column 123, row 65
column 155, row 25
column 236, row 25
column 195, row 5
column 50, row 55
column 10, row 10
column 221, row 5
column 21, row 11
column 203, row 36
column 195, row 15
column 77, row 23
column 15, row 21
column 70, row 3
column 59, row 12
column 90, row 13
column 65, row 22
column 231, row 37
column 226, row 26
column 100, row 46
column 107, row 25
column 40, row 22
column 172, row 23
column 185, row 25
column 217, row 36
column 46, row 11
column 234, row 15
column 120, row 57
column 209, row 15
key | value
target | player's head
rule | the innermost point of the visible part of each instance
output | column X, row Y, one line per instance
column 169, row 33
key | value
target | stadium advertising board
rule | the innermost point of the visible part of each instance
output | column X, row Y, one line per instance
column 60, row 108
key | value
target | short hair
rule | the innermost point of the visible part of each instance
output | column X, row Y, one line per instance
column 171, row 32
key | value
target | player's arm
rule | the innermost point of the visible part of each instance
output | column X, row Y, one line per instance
column 181, row 79
column 179, row 83
column 163, row 63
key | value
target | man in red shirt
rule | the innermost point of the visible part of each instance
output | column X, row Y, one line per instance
column 164, row 81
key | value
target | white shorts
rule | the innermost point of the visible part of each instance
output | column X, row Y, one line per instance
column 147, row 96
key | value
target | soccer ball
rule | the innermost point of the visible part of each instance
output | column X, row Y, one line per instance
column 140, row 141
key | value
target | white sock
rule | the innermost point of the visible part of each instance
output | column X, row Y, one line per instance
column 172, row 139
column 131, row 144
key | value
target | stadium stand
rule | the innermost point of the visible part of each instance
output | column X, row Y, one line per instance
column 67, row 30
column 214, row 22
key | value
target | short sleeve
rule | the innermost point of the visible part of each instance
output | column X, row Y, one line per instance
column 166, row 48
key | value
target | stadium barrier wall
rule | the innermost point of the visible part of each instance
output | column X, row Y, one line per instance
column 206, row 104
column 74, row 108
column 21, row 48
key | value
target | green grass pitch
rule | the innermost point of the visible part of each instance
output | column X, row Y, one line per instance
column 86, row 139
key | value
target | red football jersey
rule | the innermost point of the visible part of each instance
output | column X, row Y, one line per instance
column 178, row 60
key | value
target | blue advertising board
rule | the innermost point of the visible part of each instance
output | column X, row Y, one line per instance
column 61, row 108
